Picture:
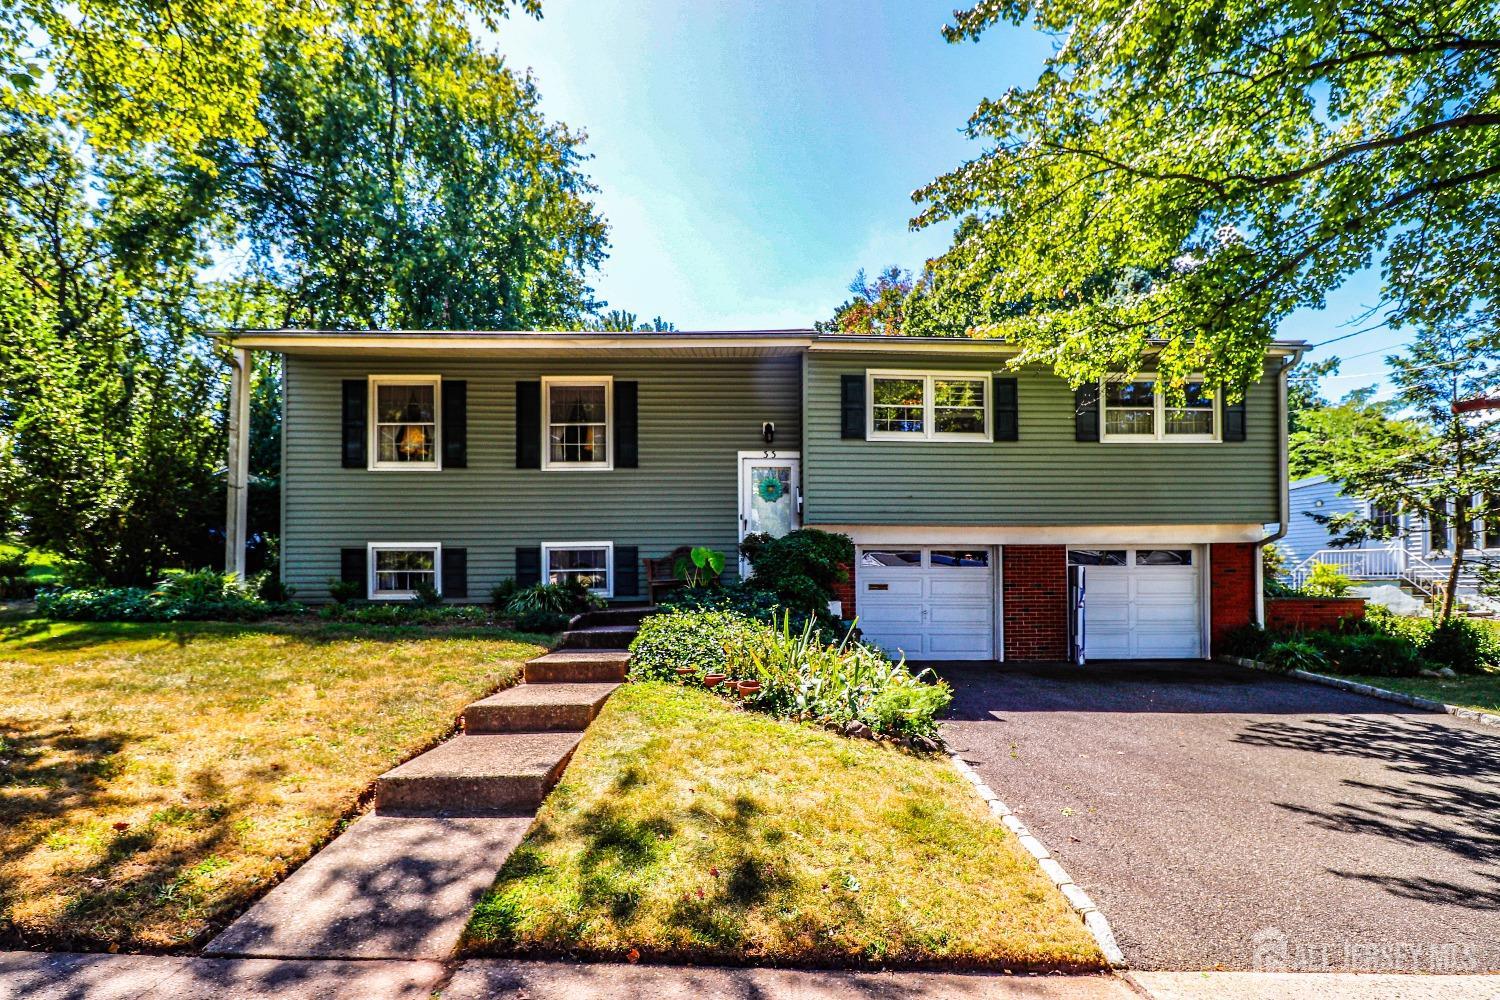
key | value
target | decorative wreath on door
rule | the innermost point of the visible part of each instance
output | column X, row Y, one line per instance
column 770, row 489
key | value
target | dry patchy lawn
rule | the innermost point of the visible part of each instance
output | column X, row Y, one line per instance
column 155, row 778
column 685, row 829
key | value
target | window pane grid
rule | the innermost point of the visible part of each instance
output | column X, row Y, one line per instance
column 405, row 423
column 401, row 571
column 1135, row 409
column 928, row 405
column 589, row 564
column 578, row 424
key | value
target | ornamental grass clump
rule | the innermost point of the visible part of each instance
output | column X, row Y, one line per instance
column 847, row 685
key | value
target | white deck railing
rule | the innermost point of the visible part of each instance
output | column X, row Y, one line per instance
column 1388, row 562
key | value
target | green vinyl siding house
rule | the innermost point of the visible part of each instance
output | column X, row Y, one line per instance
column 985, row 503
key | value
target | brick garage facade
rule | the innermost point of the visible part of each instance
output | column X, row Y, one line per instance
column 1231, row 589
column 1036, row 602
column 844, row 592
column 1295, row 614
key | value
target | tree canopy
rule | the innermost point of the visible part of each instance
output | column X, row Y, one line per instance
column 1183, row 176
column 170, row 169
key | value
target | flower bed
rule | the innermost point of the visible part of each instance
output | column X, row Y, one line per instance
column 847, row 685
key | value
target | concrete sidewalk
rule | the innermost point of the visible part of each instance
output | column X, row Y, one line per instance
column 42, row 976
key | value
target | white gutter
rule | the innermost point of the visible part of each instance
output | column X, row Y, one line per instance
column 1283, row 482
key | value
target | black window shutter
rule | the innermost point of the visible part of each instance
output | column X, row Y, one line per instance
column 455, row 572
column 356, row 428
column 455, row 424
column 1086, row 413
column 627, row 420
column 352, row 567
column 852, row 406
column 627, row 571
column 1234, row 419
column 1007, row 410
column 529, row 426
column 528, row 565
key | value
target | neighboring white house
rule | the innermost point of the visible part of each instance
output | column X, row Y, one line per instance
column 1419, row 554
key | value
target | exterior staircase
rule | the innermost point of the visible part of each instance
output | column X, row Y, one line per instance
column 516, row 744
column 1393, row 564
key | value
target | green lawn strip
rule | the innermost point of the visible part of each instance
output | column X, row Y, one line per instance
column 154, row 778
column 688, row 830
column 1479, row 691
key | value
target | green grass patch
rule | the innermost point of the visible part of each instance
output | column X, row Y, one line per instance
column 686, row 829
column 156, row 777
column 42, row 568
column 1481, row 690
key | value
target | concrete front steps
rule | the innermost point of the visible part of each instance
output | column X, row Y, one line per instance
column 401, row 883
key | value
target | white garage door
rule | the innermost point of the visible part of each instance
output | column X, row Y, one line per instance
column 1141, row 602
column 934, row 603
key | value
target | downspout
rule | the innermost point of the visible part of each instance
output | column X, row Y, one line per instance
column 1284, row 486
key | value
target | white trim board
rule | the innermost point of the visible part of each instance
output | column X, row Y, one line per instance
column 1079, row 535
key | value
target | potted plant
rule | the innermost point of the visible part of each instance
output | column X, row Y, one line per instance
column 713, row 679
column 686, row 671
column 747, row 688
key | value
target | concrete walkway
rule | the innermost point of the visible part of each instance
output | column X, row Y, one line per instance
column 39, row 976
column 401, row 883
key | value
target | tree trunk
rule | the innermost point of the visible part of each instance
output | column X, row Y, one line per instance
column 1452, row 587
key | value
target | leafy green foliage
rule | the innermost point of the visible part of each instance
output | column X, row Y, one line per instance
column 1327, row 580
column 345, row 591
column 502, row 592
column 801, row 676
column 762, row 605
column 1249, row 641
column 1295, row 654
column 800, row 567
column 1180, row 178
column 1361, row 652
column 1431, row 475
column 203, row 595
column 568, row 597
column 695, row 639
column 875, row 307
column 409, row 613
column 700, row 567
column 1328, row 438
column 1461, row 644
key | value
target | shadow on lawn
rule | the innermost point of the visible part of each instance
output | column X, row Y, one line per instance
column 1441, row 789
column 313, row 632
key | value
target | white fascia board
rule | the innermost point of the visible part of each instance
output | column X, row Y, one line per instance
column 1088, row 534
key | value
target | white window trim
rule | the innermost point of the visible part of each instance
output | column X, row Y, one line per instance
column 608, row 381
column 401, row 595
column 1159, row 418
column 928, row 431
column 608, row 590
column 436, row 381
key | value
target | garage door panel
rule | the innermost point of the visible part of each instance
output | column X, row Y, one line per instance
column 928, row 611
column 899, row 583
column 1143, row 610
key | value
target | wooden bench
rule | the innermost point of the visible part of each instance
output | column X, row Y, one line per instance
column 661, row 573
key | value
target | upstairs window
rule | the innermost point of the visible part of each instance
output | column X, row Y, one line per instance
column 1135, row 411
column 578, row 413
column 404, row 422
column 930, row 406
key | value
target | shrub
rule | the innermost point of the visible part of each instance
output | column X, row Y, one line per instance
column 1366, row 652
column 1462, row 644
column 1295, row 654
column 696, row 639
column 1249, row 641
column 407, row 613
column 426, row 595
column 563, row 599
column 802, row 677
column 201, row 595
column 801, row 567
column 13, row 570
column 344, row 591
column 502, row 592
column 269, row 587
column 1327, row 581
column 1382, row 620
column 762, row 605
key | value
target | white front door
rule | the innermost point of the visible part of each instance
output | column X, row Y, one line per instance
column 770, row 496
column 928, row 603
column 1142, row 603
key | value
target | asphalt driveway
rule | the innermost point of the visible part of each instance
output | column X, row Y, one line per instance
column 1225, row 818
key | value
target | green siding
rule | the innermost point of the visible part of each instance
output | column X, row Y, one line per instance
column 1045, row 478
column 695, row 416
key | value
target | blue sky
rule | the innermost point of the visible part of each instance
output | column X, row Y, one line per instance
column 752, row 156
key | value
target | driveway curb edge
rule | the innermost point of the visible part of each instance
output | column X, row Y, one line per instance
column 1414, row 701
column 1078, row 899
